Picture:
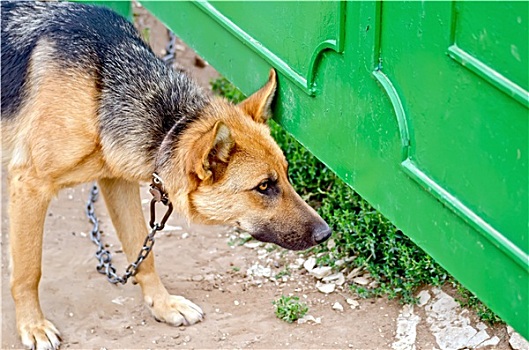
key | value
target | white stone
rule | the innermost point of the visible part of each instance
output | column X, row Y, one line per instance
column 516, row 341
column 297, row 264
column 491, row 342
column 337, row 278
column 355, row 272
column 309, row 318
column 252, row 245
column 309, row 263
column 481, row 326
column 121, row 300
column 337, row 306
column 406, row 329
column 353, row 303
column 479, row 338
column 172, row 228
column 424, row 296
column 320, row 272
column 325, row 287
column 361, row 281
column 259, row 271
column 450, row 324
column 454, row 337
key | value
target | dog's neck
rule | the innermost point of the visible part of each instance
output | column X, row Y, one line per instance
column 172, row 158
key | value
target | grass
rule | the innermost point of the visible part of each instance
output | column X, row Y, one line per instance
column 290, row 309
column 396, row 264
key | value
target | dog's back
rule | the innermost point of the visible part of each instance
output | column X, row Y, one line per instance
column 82, row 37
column 90, row 51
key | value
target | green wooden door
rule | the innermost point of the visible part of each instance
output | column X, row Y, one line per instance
column 422, row 107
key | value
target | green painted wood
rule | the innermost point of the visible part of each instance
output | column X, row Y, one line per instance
column 422, row 107
column 123, row 7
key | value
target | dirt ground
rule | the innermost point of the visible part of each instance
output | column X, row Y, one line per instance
column 205, row 264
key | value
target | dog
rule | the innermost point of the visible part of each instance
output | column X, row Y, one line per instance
column 85, row 99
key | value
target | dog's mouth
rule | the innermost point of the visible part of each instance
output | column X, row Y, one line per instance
column 290, row 240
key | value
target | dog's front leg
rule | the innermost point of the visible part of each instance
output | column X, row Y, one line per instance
column 124, row 206
column 28, row 202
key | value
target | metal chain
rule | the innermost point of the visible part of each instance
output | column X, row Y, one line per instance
column 104, row 256
column 170, row 50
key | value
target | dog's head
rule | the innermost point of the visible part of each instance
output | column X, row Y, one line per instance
column 239, row 175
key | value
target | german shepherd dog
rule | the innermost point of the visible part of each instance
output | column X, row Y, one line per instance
column 84, row 99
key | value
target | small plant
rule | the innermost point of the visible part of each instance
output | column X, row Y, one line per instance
column 239, row 240
column 290, row 309
column 285, row 272
column 224, row 88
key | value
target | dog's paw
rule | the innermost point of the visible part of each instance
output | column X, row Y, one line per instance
column 175, row 310
column 40, row 336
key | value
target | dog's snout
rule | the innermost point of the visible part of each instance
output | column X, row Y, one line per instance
column 322, row 233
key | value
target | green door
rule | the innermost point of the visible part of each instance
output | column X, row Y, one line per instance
column 422, row 107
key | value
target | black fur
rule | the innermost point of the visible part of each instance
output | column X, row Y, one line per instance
column 14, row 66
column 140, row 99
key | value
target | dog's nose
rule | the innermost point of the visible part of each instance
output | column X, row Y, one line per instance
column 321, row 234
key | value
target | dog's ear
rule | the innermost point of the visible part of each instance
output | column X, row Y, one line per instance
column 258, row 105
column 213, row 152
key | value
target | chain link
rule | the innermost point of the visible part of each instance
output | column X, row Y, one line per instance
column 104, row 256
column 170, row 50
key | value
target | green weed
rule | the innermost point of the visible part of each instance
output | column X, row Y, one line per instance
column 290, row 309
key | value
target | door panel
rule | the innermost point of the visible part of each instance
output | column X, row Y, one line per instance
column 422, row 107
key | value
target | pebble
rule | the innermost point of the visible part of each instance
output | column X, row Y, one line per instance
column 424, row 296
column 172, row 228
column 337, row 306
column 309, row 263
column 355, row 272
column 338, row 278
column 451, row 326
column 297, row 264
column 309, row 318
column 320, row 272
column 492, row 342
column 406, row 332
column 197, row 278
column 185, row 235
column 353, row 303
column 516, row 341
column 325, row 287
column 121, row 300
column 252, row 245
column 361, row 281
column 259, row 271
column 236, row 302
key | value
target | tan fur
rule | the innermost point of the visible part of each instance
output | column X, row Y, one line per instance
column 44, row 157
column 217, row 164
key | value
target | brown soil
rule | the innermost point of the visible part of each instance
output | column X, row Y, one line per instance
column 92, row 313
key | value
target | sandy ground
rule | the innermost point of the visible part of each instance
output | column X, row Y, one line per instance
column 203, row 263
column 92, row 313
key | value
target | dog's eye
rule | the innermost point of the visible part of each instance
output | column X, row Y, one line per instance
column 263, row 187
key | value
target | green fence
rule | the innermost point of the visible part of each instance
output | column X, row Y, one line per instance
column 422, row 107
